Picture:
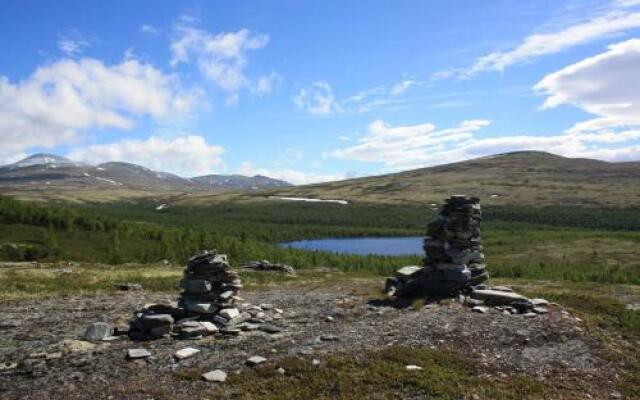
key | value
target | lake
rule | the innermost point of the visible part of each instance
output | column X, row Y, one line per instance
column 386, row 246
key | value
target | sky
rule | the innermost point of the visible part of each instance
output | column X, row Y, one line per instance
column 311, row 91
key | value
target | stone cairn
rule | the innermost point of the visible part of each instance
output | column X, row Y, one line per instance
column 453, row 250
column 454, row 263
column 453, row 254
column 208, row 285
column 206, row 305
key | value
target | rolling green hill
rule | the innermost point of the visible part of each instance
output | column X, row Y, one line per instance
column 529, row 178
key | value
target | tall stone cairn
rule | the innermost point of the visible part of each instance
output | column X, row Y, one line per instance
column 208, row 285
column 453, row 249
column 454, row 261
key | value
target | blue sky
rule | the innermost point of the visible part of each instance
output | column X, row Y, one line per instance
column 311, row 91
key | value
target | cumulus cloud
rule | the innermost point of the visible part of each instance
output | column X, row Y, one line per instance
column 61, row 100
column 541, row 44
column 601, row 85
column 289, row 175
column 317, row 99
column 407, row 146
column 187, row 155
column 221, row 57
column 422, row 145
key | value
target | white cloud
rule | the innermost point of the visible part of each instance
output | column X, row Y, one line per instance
column 186, row 155
column 601, row 85
column 289, row 175
column 266, row 83
column 401, row 87
column 317, row 99
column 221, row 57
column 627, row 3
column 61, row 100
column 9, row 157
column 406, row 146
column 421, row 145
column 541, row 44
column 72, row 43
column 149, row 30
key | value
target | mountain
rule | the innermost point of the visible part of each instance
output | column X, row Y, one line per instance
column 43, row 159
column 240, row 182
column 134, row 175
column 525, row 177
column 47, row 173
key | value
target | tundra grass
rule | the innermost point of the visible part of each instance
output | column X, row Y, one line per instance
column 378, row 374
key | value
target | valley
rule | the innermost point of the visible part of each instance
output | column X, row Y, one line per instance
column 70, row 253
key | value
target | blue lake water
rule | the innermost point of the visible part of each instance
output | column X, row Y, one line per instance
column 387, row 246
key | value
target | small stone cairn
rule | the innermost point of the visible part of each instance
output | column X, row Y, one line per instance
column 454, row 263
column 208, row 285
column 207, row 305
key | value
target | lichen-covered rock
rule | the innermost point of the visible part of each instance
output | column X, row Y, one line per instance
column 265, row 265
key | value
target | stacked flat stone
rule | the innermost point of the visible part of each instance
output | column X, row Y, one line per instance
column 208, row 285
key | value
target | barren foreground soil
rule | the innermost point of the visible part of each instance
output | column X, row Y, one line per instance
column 44, row 337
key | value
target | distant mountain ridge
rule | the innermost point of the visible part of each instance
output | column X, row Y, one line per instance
column 52, row 171
column 240, row 181
column 530, row 178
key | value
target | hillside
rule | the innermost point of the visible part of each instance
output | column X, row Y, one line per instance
column 532, row 178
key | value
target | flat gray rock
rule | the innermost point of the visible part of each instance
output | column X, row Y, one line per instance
column 480, row 309
column 255, row 360
column 134, row 354
column 154, row 320
column 497, row 297
column 98, row 331
column 229, row 313
column 210, row 327
column 269, row 328
column 217, row 375
column 540, row 302
column 408, row 270
column 186, row 353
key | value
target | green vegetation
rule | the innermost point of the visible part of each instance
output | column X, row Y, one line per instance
column 377, row 375
column 520, row 242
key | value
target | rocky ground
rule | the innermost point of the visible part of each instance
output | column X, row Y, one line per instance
column 43, row 355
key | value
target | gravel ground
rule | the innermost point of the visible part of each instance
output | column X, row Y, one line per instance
column 553, row 347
